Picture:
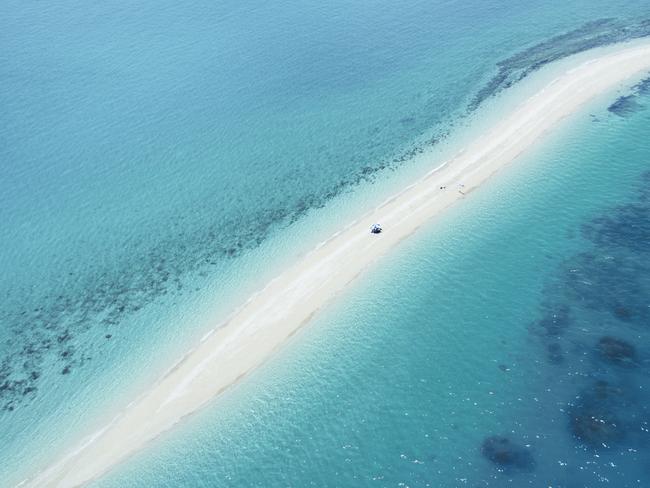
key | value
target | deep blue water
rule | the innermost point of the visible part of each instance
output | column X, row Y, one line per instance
column 148, row 154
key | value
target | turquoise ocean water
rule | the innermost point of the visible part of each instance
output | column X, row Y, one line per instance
column 159, row 162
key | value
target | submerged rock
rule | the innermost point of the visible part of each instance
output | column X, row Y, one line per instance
column 623, row 313
column 507, row 454
column 605, row 391
column 625, row 106
column 555, row 322
column 595, row 427
column 599, row 420
column 615, row 350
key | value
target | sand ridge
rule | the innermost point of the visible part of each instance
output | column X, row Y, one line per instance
column 261, row 325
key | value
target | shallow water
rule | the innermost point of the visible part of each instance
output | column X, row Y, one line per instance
column 150, row 152
column 500, row 320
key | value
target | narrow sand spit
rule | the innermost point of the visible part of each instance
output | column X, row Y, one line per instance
column 263, row 324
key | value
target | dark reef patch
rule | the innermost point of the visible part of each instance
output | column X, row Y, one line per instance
column 590, row 35
column 627, row 227
column 623, row 313
column 607, row 286
column 506, row 454
column 554, row 322
column 629, row 104
column 616, row 351
column 595, row 426
column 602, row 415
column 607, row 282
column 625, row 106
column 612, row 277
column 643, row 87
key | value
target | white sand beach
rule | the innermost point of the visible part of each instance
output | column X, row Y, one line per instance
column 262, row 325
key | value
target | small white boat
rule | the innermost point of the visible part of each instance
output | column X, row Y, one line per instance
column 376, row 229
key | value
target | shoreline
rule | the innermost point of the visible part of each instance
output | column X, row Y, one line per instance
column 261, row 326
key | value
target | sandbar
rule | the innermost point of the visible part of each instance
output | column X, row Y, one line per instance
column 262, row 325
